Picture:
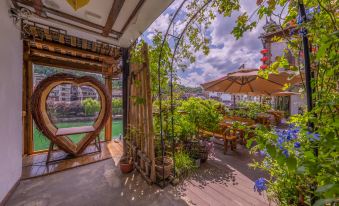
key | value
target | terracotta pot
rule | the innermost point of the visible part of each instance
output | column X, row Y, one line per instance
column 163, row 168
column 126, row 165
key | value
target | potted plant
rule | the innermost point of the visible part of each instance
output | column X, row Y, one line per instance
column 126, row 164
column 163, row 167
column 196, row 158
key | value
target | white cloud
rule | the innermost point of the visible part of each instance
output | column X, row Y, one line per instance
column 226, row 53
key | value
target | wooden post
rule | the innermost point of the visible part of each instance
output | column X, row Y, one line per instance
column 25, row 148
column 149, row 105
column 29, row 119
column 108, row 127
column 125, row 85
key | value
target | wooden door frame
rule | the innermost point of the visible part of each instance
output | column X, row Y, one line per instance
column 28, row 136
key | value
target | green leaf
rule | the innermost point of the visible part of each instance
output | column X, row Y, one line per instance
column 249, row 143
column 291, row 163
column 301, row 170
column 309, row 156
column 322, row 202
column 271, row 150
column 324, row 188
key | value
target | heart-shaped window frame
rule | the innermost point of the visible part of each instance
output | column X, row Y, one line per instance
column 46, row 126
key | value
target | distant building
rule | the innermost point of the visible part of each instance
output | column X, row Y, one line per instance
column 276, row 46
column 116, row 93
column 67, row 92
column 290, row 104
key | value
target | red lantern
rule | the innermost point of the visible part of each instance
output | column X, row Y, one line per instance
column 264, row 66
column 265, row 58
column 264, row 51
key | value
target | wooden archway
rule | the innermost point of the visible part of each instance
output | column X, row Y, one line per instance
column 59, row 136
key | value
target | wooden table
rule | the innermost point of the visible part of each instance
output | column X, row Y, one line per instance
column 228, row 123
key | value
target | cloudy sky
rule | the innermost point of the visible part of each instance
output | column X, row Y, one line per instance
column 226, row 53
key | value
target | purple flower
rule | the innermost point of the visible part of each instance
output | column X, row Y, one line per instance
column 297, row 145
column 299, row 20
column 313, row 136
column 262, row 153
column 285, row 152
column 260, row 185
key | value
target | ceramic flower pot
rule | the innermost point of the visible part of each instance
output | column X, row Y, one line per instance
column 126, row 165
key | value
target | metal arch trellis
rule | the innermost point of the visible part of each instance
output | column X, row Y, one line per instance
column 177, row 43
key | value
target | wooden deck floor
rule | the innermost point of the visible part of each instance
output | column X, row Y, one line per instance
column 224, row 180
column 35, row 165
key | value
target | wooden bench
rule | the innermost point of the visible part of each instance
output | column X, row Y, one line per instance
column 74, row 130
column 223, row 135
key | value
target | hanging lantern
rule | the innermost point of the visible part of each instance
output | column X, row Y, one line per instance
column 264, row 51
column 264, row 66
column 264, row 59
column 77, row 4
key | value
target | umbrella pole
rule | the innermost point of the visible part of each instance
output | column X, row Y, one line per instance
column 308, row 77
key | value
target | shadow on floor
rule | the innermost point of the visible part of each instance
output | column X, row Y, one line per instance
column 99, row 183
column 223, row 180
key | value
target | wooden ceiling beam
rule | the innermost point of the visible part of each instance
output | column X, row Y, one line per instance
column 112, row 17
column 49, row 54
column 135, row 11
column 68, row 65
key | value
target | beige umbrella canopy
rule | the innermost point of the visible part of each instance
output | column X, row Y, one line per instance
column 285, row 94
column 247, row 81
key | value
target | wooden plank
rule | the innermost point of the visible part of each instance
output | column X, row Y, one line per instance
column 112, row 16
column 74, row 130
column 29, row 92
column 149, row 104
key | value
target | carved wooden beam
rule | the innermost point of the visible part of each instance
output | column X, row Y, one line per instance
column 106, row 59
column 112, row 17
column 62, row 57
column 68, row 65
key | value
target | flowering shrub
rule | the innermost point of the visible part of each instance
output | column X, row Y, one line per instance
column 260, row 185
column 290, row 159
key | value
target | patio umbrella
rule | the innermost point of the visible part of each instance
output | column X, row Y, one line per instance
column 247, row 81
column 284, row 94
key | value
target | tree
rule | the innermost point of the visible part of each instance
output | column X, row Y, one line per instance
column 91, row 106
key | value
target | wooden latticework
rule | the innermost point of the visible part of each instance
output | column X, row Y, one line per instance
column 140, row 134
